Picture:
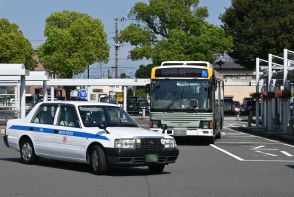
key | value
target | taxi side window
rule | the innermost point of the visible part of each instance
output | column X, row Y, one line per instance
column 45, row 114
column 67, row 117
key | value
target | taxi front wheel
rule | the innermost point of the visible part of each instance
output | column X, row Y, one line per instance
column 156, row 169
column 98, row 160
column 27, row 151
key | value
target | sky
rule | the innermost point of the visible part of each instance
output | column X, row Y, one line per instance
column 30, row 16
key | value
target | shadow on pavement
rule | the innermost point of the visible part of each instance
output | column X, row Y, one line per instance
column 80, row 167
column 192, row 141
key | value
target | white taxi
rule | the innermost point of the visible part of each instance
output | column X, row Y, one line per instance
column 100, row 134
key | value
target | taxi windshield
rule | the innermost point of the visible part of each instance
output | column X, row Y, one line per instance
column 110, row 116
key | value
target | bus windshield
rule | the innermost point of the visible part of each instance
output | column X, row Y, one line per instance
column 183, row 95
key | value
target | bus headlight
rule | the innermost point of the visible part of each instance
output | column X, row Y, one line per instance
column 169, row 143
column 124, row 143
column 206, row 124
column 155, row 123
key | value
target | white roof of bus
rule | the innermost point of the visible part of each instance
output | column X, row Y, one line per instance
column 184, row 63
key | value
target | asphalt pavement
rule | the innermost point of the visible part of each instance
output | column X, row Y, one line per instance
column 239, row 164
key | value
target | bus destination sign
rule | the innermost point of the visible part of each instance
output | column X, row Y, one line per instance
column 182, row 72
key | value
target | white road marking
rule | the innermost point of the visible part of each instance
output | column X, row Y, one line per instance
column 226, row 152
column 266, row 153
column 286, row 161
column 261, row 148
column 286, row 153
column 258, row 147
column 244, row 143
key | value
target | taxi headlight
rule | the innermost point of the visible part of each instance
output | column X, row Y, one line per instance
column 124, row 143
column 169, row 143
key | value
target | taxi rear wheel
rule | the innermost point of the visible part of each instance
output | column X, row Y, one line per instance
column 98, row 160
column 156, row 169
column 27, row 151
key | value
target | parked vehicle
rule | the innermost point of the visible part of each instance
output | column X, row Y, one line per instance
column 229, row 105
column 99, row 134
column 143, row 104
column 132, row 105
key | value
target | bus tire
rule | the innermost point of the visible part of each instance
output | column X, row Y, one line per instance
column 211, row 140
column 218, row 135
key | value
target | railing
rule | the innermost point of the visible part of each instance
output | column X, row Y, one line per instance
column 6, row 113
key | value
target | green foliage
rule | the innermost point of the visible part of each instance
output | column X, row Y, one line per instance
column 14, row 47
column 130, row 92
column 74, row 41
column 258, row 28
column 144, row 71
column 141, row 92
column 123, row 76
column 173, row 30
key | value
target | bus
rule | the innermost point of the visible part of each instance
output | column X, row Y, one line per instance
column 186, row 99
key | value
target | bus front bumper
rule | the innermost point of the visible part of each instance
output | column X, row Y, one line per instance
column 185, row 131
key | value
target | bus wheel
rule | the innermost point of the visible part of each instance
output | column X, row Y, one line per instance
column 218, row 135
column 211, row 140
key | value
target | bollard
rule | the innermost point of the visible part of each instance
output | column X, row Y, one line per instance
column 250, row 118
column 143, row 114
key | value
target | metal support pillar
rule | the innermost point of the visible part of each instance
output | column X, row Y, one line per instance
column 17, row 102
column 22, row 97
column 286, row 102
column 269, row 88
column 257, row 91
column 45, row 93
column 52, row 93
column 125, row 97
column 88, row 93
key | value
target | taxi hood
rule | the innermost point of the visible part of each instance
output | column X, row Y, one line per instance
column 131, row 132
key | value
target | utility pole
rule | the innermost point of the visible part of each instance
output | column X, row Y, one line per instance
column 117, row 44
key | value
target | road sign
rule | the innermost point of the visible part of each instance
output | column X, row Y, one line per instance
column 82, row 94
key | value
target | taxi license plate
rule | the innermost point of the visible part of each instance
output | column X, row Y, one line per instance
column 150, row 158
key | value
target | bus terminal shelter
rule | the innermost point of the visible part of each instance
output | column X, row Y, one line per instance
column 15, row 75
column 274, row 93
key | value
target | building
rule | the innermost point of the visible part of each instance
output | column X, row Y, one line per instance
column 238, row 80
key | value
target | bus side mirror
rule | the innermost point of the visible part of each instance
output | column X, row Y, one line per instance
column 147, row 88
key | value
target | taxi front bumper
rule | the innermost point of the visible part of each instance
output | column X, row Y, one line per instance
column 138, row 157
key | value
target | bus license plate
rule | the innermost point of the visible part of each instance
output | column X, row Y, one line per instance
column 151, row 158
column 192, row 132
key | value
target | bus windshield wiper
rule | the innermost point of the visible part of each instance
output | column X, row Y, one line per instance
column 169, row 105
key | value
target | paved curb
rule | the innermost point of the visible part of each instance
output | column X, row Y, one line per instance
column 288, row 138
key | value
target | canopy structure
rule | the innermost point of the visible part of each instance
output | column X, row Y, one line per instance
column 274, row 75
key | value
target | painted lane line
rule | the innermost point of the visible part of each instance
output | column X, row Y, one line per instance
column 226, row 152
column 286, row 153
column 266, row 153
column 258, row 147
column 286, row 161
column 243, row 143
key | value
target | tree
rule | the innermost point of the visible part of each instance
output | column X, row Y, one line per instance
column 14, row 47
column 124, row 76
column 141, row 92
column 173, row 30
column 144, row 71
column 74, row 41
column 258, row 28
column 130, row 92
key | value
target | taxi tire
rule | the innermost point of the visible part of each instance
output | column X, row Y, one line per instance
column 24, row 144
column 98, row 160
column 156, row 169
